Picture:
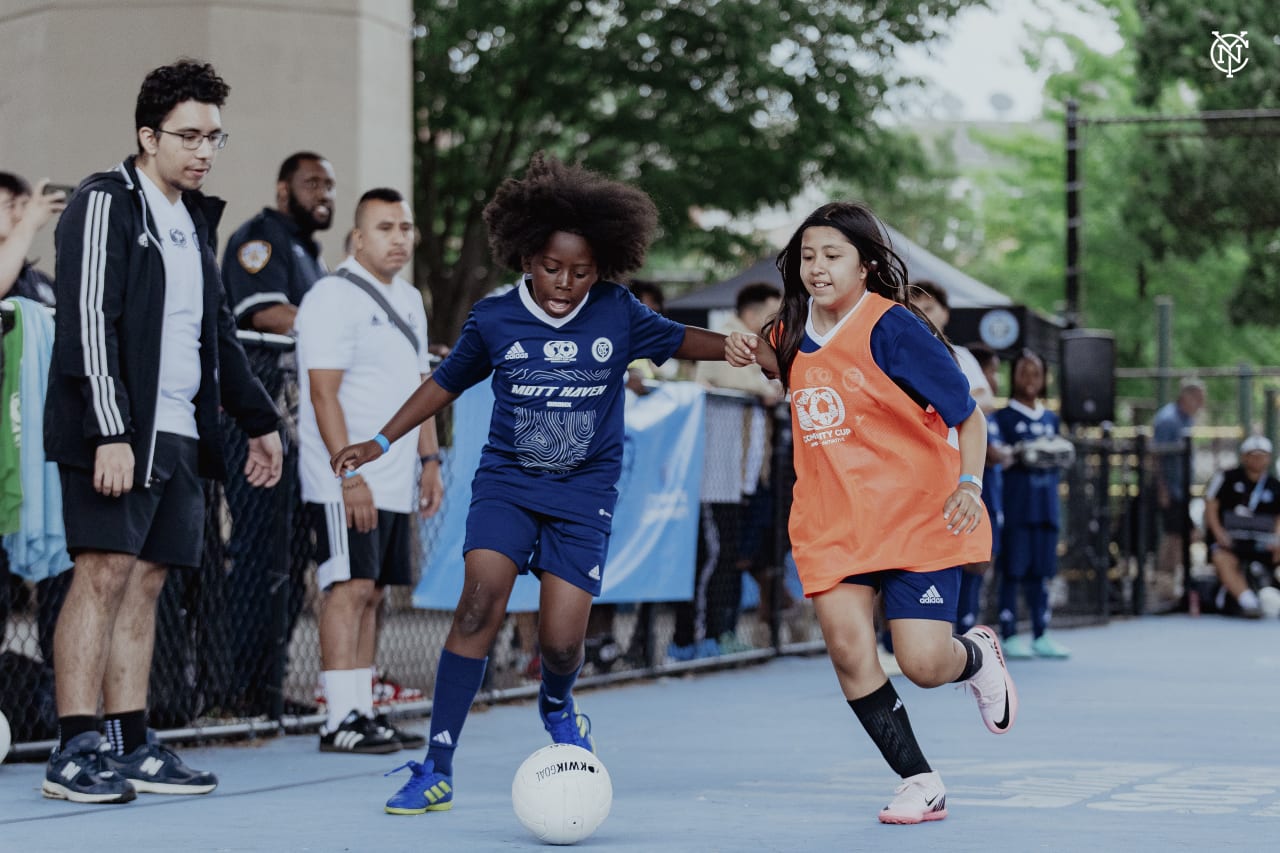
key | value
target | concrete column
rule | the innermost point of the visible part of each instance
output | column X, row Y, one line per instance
column 334, row 76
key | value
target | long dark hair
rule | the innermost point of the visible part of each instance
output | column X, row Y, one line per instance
column 886, row 275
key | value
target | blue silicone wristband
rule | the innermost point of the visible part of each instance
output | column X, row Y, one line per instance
column 347, row 475
column 381, row 441
column 969, row 478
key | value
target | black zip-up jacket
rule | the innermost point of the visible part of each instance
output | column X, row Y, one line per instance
column 104, row 380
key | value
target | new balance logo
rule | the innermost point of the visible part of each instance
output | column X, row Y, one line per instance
column 516, row 351
column 443, row 739
column 931, row 596
column 594, row 574
column 151, row 766
column 69, row 770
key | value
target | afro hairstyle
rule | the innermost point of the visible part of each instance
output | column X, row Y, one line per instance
column 617, row 221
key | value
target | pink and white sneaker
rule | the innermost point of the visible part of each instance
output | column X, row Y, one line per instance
column 919, row 798
column 992, row 685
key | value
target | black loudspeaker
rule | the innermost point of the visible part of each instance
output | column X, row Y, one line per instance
column 1088, row 376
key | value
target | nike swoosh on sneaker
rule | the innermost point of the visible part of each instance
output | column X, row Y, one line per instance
column 929, row 802
column 1003, row 722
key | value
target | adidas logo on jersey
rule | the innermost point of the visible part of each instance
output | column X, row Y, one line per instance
column 931, row 596
column 514, row 352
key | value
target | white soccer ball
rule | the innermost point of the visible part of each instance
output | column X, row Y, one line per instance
column 6, row 736
column 1269, row 600
column 562, row 793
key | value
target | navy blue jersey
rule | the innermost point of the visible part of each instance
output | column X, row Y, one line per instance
column 556, row 434
column 917, row 361
column 1030, row 494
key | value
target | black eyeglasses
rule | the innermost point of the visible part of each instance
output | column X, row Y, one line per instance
column 191, row 139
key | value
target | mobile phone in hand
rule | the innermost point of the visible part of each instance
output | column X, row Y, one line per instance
column 67, row 190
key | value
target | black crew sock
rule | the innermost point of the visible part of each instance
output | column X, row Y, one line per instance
column 127, row 731
column 78, row 724
column 974, row 661
column 884, row 717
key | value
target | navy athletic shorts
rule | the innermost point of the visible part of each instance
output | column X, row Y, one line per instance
column 915, row 595
column 536, row 542
column 163, row 523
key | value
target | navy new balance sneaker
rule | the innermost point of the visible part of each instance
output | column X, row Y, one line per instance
column 80, row 773
column 155, row 769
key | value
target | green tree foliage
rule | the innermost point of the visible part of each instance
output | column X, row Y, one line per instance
column 1216, row 183
column 1156, row 221
column 721, row 104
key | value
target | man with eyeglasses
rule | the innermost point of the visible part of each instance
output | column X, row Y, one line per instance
column 144, row 354
column 269, row 264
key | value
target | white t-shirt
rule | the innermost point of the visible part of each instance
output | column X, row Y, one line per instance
column 979, row 387
column 340, row 327
column 183, row 312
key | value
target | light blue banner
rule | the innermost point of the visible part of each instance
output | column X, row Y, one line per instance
column 655, row 524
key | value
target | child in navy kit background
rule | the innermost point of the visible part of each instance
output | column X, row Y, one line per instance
column 1028, row 553
column 888, row 448
column 557, row 347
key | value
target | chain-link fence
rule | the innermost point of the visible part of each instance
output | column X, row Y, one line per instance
column 237, row 647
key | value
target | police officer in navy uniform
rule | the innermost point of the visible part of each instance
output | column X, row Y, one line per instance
column 270, row 263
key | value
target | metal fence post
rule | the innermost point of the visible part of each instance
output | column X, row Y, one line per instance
column 783, row 481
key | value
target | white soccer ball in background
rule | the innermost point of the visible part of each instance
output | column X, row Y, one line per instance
column 562, row 793
column 6, row 736
column 1269, row 601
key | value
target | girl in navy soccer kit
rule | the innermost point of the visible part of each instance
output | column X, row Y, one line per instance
column 1028, row 553
column 557, row 347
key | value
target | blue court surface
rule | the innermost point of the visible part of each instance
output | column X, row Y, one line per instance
column 1158, row 734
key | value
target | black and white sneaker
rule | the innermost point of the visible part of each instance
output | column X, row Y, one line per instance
column 357, row 733
column 406, row 739
column 80, row 773
column 155, row 769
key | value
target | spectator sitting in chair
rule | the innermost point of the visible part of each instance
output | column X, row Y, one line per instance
column 1242, row 520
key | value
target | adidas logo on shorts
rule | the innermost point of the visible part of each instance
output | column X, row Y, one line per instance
column 931, row 596
column 594, row 574
column 515, row 352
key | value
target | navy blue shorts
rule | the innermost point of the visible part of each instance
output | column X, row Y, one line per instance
column 915, row 595
column 162, row 524
column 1029, row 551
column 536, row 542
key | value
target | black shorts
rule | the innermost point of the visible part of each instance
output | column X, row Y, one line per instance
column 383, row 555
column 162, row 524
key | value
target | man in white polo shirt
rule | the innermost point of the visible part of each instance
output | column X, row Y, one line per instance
column 362, row 350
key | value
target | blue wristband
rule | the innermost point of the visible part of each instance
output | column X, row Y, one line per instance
column 381, row 441
column 969, row 478
column 347, row 475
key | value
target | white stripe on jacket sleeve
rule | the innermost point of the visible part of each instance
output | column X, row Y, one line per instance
column 93, row 324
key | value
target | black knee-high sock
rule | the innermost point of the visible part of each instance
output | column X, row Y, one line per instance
column 884, row 717
column 973, row 662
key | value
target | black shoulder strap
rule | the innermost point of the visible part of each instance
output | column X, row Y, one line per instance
column 377, row 297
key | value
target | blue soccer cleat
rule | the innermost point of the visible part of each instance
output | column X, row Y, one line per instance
column 426, row 790
column 569, row 725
